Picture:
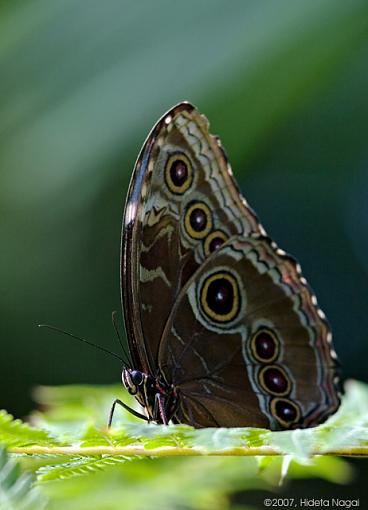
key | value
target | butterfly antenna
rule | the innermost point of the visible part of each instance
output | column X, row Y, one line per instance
column 115, row 325
column 54, row 328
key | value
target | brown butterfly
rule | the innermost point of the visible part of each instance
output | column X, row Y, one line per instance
column 223, row 329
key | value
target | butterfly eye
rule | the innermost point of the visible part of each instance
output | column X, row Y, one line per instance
column 220, row 297
column 137, row 377
column 213, row 241
column 178, row 173
column 198, row 220
column 285, row 411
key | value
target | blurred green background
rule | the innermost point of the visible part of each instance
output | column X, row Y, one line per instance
column 284, row 84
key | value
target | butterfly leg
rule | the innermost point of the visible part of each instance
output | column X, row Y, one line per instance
column 159, row 409
column 132, row 411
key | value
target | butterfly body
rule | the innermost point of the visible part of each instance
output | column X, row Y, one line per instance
column 157, row 398
column 220, row 322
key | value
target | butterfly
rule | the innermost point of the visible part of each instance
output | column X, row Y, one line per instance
column 223, row 329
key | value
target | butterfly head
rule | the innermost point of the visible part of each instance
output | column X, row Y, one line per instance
column 132, row 380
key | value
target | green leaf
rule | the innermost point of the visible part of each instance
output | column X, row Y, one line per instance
column 346, row 430
column 15, row 433
column 78, row 466
column 16, row 488
column 344, row 433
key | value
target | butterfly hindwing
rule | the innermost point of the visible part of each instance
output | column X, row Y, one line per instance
column 246, row 343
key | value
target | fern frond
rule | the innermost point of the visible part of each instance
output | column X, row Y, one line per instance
column 16, row 488
column 77, row 467
column 15, row 433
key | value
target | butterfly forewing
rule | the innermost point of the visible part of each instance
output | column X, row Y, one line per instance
column 182, row 204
